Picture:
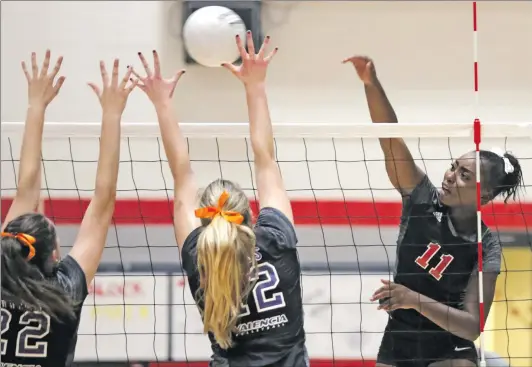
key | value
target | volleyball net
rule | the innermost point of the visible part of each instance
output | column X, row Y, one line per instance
column 346, row 212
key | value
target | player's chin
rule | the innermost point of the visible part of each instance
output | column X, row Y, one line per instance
column 443, row 196
column 446, row 198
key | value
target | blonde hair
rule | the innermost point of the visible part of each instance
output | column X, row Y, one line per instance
column 226, row 254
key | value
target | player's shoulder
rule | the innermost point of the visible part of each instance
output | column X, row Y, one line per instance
column 189, row 246
column 71, row 278
column 424, row 193
column 189, row 251
column 491, row 251
column 491, row 243
column 273, row 228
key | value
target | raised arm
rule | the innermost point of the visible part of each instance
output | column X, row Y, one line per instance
column 160, row 91
column 41, row 91
column 400, row 166
column 252, row 73
column 90, row 242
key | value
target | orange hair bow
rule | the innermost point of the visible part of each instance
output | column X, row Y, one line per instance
column 25, row 240
column 210, row 212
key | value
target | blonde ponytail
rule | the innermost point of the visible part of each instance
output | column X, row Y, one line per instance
column 226, row 253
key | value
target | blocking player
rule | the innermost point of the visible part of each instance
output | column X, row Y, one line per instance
column 42, row 296
column 244, row 278
column 433, row 300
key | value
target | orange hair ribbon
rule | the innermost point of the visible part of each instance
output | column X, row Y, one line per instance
column 210, row 212
column 25, row 240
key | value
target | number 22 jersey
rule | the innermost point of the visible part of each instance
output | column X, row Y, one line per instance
column 270, row 329
column 34, row 338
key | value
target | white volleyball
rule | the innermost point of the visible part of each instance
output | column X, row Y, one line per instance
column 209, row 35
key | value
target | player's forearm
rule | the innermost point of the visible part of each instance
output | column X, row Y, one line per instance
column 260, row 125
column 380, row 108
column 29, row 183
column 175, row 144
column 108, row 161
column 460, row 323
column 400, row 166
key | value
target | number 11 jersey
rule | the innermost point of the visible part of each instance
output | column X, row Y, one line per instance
column 270, row 329
column 432, row 258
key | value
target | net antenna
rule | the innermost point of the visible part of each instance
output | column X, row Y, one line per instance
column 477, row 136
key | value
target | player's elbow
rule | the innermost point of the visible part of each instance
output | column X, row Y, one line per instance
column 263, row 149
column 29, row 186
column 105, row 192
column 265, row 161
column 472, row 335
column 472, row 331
column 103, row 201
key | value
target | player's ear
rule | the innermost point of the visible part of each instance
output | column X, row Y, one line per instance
column 56, row 253
column 485, row 196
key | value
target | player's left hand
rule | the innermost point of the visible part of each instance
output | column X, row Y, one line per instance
column 254, row 65
column 158, row 89
column 395, row 296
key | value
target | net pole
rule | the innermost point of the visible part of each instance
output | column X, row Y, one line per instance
column 477, row 136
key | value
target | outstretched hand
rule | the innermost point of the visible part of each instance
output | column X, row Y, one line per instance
column 41, row 87
column 158, row 90
column 113, row 96
column 254, row 66
column 364, row 67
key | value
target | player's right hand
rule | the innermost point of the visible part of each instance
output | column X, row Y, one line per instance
column 41, row 87
column 113, row 96
column 252, row 71
column 364, row 67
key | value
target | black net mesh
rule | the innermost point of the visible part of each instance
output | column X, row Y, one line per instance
column 347, row 214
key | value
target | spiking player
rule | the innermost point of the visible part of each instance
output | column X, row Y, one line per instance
column 245, row 278
column 42, row 296
column 434, row 299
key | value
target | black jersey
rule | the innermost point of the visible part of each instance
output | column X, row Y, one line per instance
column 432, row 259
column 32, row 337
column 270, row 330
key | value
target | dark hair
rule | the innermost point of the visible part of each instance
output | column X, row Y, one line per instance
column 27, row 280
column 497, row 180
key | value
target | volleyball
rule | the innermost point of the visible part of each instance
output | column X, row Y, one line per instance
column 209, row 35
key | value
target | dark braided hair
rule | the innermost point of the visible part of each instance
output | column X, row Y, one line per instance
column 498, row 182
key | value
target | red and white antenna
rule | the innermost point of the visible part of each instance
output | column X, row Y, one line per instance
column 477, row 136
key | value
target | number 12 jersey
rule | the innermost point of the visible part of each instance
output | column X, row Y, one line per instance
column 270, row 330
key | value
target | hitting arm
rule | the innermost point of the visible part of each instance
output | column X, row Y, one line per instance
column 400, row 166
